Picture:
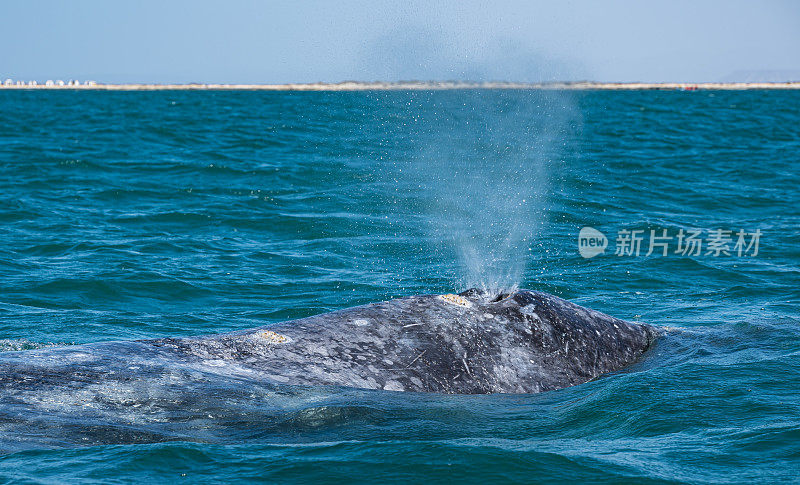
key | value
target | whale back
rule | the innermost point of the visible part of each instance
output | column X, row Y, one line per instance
column 470, row 343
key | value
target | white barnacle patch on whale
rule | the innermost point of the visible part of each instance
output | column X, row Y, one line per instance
column 393, row 386
column 456, row 300
column 272, row 337
column 360, row 322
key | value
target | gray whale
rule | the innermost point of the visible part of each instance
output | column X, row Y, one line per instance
column 470, row 343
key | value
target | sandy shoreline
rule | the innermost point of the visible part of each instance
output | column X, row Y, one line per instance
column 408, row 86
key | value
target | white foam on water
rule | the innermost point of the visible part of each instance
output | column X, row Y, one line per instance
column 15, row 345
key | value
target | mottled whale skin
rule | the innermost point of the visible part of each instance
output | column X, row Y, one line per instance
column 524, row 342
column 527, row 342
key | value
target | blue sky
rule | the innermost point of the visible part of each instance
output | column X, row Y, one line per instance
column 308, row 41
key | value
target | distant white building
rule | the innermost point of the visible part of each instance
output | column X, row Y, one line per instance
column 49, row 82
column 32, row 83
column 60, row 83
column 91, row 83
column 8, row 82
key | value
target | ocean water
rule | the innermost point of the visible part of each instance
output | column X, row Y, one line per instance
column 148, row 214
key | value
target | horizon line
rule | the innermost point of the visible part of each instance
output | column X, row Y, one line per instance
column 400, row 86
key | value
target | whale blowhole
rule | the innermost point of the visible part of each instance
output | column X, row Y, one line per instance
column 487, row 296
column 500, row 297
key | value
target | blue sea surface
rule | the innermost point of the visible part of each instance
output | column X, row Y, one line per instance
column 131, row 215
